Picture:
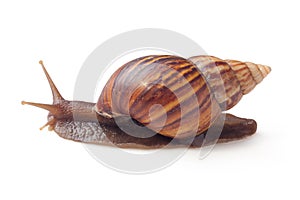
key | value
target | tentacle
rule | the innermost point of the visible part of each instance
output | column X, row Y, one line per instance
column 55, row 93
column 49, row 107
column 58, row 100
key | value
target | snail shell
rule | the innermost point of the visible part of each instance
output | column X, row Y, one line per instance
column 172, row 82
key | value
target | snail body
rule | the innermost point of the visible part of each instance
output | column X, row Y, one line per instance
column 191, row 94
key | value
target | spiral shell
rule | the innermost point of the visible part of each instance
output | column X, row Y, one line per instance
column 230, row 79
column 172, row 82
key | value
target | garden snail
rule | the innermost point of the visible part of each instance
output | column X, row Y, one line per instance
column 172, row 82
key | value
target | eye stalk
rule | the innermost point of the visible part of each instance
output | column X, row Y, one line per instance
column 55, row 93
column 65, row 110
column 60, row 109
column 55, row 109
column 57, row 98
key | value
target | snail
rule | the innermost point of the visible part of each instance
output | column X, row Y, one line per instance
column 161, row 100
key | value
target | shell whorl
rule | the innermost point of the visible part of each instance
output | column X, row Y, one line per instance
column 248, row 74
column 230, row 79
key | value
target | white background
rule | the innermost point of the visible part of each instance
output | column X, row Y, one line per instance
column 41, row 165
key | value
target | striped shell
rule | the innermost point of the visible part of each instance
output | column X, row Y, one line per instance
column 230, row 79
column 177, row 97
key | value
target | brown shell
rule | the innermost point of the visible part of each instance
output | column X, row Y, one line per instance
column 170, row 81
column 185, row 89
column 230, row 79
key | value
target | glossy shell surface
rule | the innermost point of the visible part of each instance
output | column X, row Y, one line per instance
column 163, row 92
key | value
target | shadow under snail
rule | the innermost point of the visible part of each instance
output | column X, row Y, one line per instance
column 162, row 100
